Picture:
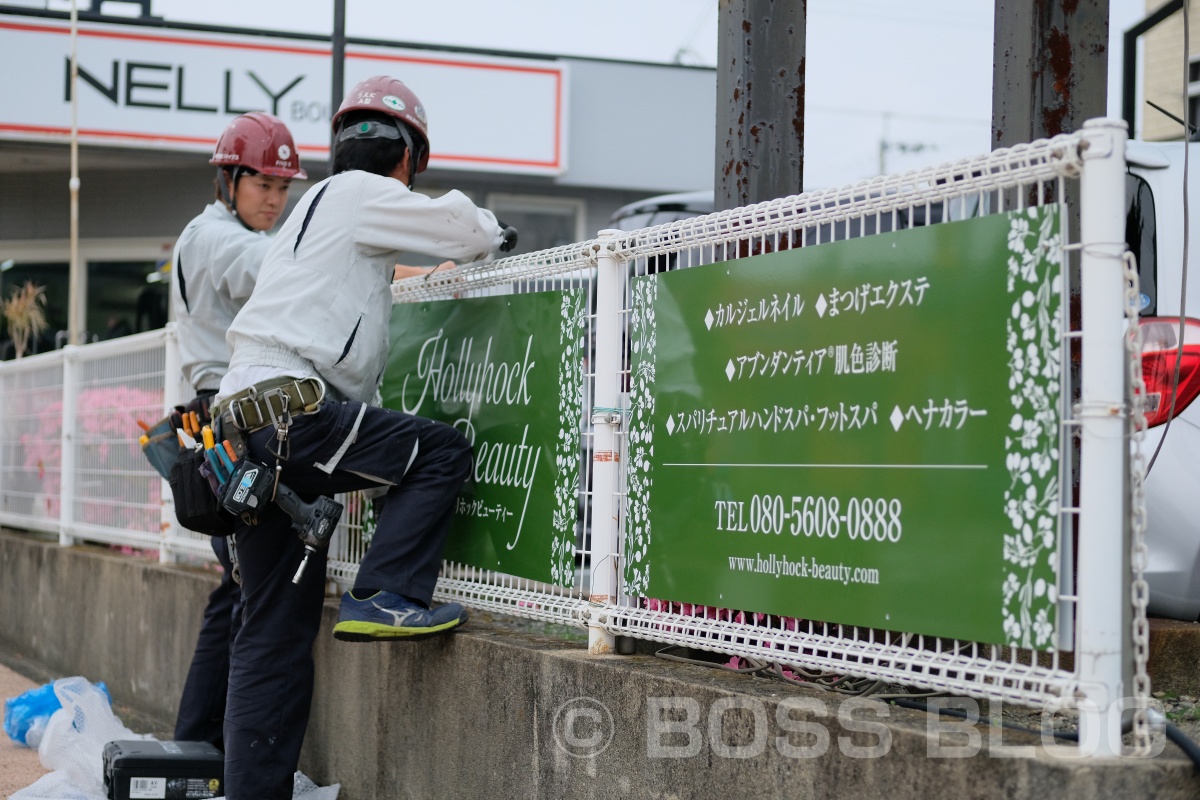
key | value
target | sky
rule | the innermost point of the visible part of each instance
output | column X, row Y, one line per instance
column 914, row 75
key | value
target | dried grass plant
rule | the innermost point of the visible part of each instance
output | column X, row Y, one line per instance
column 25, row 315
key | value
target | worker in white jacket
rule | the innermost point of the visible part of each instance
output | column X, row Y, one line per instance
column 218, row 255
column 214, row 268
column 308, row 353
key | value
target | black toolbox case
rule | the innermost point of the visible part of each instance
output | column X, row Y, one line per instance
column 152, row 770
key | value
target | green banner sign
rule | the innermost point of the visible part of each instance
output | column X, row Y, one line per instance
column 865, row 432
column 508, row 373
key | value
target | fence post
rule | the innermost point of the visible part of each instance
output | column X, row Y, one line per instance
column 66, row 462
column 172, row 396
column 605, row 421
column 7, row 461
column 1102, row 639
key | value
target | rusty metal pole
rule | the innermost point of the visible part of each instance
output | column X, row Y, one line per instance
column 1050, row 71
column 1050, row 75
column 760, row 100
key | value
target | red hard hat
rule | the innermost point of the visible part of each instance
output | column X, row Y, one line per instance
column 262, row 142
column 389, row 96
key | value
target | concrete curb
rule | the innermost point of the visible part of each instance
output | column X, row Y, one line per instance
column 493, row 712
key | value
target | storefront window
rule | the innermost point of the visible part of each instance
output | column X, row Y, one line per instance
column 120, row 301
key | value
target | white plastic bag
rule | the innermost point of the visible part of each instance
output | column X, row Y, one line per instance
column 72, row 745
column 304, row 789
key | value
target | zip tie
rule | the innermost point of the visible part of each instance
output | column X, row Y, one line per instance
column 1089, row 247
column 610, row 415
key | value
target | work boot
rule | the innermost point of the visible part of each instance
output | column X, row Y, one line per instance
column 386, row 616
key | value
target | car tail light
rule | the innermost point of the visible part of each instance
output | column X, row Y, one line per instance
column 1160, row 350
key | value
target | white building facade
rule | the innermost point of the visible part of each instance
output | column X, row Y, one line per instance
column 552, row 144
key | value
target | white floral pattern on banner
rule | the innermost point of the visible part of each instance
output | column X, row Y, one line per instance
column 1031, row 502
column 566, row 450
column 641, row 434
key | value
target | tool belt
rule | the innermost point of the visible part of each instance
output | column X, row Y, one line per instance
column 272, row 402
column 197, row 507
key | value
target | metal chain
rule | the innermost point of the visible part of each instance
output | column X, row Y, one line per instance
column 1139, row 589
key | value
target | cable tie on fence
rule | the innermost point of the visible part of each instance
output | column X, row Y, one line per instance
column 1089, row 248
column 613, row 416
column 1100, row 409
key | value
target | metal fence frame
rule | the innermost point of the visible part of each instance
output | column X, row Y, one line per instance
column 1095, row 644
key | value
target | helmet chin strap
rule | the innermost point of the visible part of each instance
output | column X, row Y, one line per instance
column 412, row 154
column 229, row 198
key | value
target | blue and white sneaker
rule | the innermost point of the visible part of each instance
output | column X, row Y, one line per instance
column 385, row 615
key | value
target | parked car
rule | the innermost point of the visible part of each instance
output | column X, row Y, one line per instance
column 661, row 210
column 1154, row 233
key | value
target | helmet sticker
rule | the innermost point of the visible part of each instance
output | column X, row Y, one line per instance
column 420, row 112
column 285, row 152
column 393, row 102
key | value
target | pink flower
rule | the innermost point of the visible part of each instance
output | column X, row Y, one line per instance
column 107, row 431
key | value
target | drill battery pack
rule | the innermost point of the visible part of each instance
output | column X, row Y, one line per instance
column 144, row 769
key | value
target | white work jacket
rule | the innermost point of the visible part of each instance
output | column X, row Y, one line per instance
column 213, row 270
column 323, row 301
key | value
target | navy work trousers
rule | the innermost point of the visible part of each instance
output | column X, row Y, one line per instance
column 271, row 671
column 202, row 706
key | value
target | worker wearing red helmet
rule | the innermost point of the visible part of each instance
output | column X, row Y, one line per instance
column 215, row 265
column 218, row 255
column 308, row 354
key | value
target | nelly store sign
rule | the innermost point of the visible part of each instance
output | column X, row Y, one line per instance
column 865, row 432
column 171, row 89
column 507, row 373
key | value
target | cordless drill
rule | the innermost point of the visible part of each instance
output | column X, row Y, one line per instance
column 254, row 485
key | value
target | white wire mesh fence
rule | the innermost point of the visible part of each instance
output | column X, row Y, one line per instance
column 113, row 498
column 559, row 269
column 1031, row 175
column 89, row 481
column 69, row 457
column 31, row 397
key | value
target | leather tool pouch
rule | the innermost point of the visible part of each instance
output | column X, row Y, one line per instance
column 197, row 506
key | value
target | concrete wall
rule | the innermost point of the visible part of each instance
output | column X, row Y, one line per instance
column 483, row 713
